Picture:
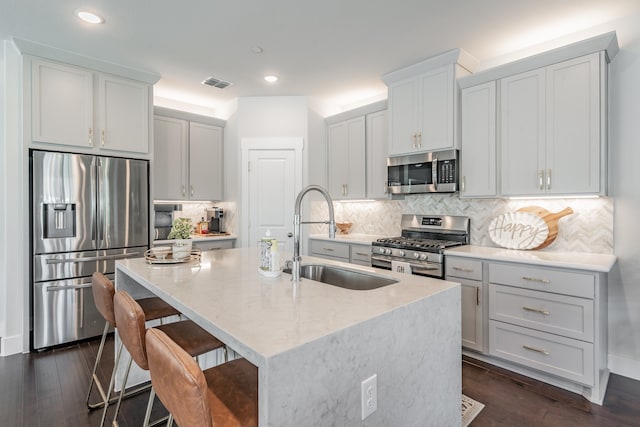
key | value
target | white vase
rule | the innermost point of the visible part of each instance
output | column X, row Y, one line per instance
column 182, row 248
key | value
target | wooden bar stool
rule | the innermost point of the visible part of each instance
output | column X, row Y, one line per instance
column 103, row 291
column 131, row 329
column 223, row 396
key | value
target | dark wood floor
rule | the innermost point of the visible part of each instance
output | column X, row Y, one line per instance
column 514, row 400
column 48, row 389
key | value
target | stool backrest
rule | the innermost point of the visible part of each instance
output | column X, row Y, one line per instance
column 103, row 291
column 178, row 381
column 131, row 327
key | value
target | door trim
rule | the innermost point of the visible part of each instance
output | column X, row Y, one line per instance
column 296, row 144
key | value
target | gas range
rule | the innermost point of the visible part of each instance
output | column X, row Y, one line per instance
column 422, row 243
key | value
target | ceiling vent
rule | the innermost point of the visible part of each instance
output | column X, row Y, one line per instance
column 212, row 81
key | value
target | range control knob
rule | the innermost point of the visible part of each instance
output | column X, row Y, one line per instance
column 388, row 251
column 416, row 255
column 400, row 253
column 381, row 250
column 423, row 257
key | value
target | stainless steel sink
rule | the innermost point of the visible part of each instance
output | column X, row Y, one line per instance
column 343, row 278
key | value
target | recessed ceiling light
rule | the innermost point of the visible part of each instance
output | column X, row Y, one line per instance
column 256, row 49
column 271, row 79
column 89, row 17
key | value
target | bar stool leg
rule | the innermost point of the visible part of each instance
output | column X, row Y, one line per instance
column 111, row 383
column 122, row 389
column 147, row 415
column 94, row 378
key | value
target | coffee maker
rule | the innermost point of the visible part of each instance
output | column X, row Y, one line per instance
column 214, row 216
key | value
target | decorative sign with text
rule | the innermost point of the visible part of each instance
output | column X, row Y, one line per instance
column 518, row 230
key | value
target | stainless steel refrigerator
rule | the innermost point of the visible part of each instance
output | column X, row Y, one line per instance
column 87, row 211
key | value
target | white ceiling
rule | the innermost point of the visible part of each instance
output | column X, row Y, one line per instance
column 331, row 50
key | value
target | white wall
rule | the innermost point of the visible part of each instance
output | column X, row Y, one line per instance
column 624, row 289
column 267, row 117
column 3, row 201
column 14, row 237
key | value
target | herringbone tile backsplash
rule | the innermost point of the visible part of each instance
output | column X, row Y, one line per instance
column 588, row 229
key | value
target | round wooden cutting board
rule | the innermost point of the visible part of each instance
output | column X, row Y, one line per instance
column 550, row 218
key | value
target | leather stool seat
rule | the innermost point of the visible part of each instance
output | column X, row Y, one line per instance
column 223, row 396
column 131, row 329
column 103, row 292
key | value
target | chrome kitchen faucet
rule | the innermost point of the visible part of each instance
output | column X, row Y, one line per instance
column 295, row 270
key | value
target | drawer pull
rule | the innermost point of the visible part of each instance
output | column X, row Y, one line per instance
column 466, row 270
column 537, row 350
column 535, row 279
column 363, row 253
column 327, row 249
column 536, row 310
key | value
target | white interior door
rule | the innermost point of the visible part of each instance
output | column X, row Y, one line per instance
column 274, row 180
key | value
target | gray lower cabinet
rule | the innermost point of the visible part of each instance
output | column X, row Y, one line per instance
column 545, row 322
column 354, row 253
column 212, row 245
column 469, row 273
column 551, row 320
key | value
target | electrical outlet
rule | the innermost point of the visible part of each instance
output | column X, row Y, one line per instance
column 369, row 395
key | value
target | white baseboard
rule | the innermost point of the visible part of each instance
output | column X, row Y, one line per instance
column 624, row 366
column 11, row 345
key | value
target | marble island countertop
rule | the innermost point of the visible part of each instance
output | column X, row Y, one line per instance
column 575, row 260
column 315, row 343
column 266, row 316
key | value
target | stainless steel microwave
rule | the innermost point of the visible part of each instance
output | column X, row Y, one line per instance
column 432, row 172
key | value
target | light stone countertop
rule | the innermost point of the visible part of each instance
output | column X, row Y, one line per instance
column 261, row 316
column 575, row 260
column 362, row 239
column 315, row 343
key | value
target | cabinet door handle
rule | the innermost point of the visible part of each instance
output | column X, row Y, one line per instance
column 548, row 179
column 536, row 310
column 462, row 186
column 478, row 296
column 102, row 137
column 91, row 137
column 419, row 139
column 414, row 138
column 535, row 279
column 184, row 191
column 466, row 270
column 192, row 191
column 540, row 180
column 537, row 350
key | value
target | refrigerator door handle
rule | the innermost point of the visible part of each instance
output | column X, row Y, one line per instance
column 68, row 287
column 81, row 305
column 99, row 213
column 89, row 259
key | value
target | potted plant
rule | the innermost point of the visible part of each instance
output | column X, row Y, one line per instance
column 181, row 233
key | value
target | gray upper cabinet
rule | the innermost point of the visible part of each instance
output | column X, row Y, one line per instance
column 357, row 153
column 423, row 103
column 73, row 106
column 546, row 118
column 346, row 159
column 377, row 153
column 478, row 143
column 188, row 158
column 551, row 129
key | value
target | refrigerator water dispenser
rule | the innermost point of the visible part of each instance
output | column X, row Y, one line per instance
column 59, row 220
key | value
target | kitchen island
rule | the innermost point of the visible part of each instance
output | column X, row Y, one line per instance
column 315, row 343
